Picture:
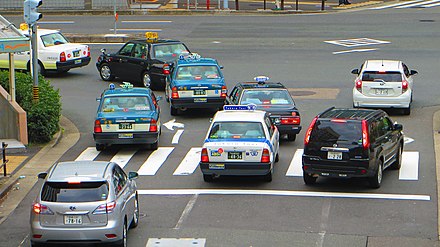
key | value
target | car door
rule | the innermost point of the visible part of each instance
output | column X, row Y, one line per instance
column 273, row 135
column 123, row 193
column 387, row 138
column 137, row 62
column 120, row 63
column 234, row 96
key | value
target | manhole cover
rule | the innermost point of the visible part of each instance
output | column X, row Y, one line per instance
column 427, row 20
column 302, row 93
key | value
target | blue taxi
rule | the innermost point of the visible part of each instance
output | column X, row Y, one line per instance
column 127, row 115
column 195, row 82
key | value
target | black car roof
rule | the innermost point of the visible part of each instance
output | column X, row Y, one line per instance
column 248, row 85
column 159, row 41
column 349, row 113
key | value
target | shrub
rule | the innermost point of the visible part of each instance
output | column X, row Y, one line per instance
column 42, row 117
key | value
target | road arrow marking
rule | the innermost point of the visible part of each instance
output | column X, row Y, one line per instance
column 172, row 123
column 407, row 140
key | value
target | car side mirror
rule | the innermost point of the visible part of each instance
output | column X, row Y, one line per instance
column 98, row 99
column 355, row 71
column 221, row 67
column 413, row 72
column 398, row 126
column 158, row 98
column 42, row 175
column 103, row 50
column 133, row 175
column 210, row 120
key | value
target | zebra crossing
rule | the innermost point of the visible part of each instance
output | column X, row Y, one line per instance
column 411, row 4
column 189, row 163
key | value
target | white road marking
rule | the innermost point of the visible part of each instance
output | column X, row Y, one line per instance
column 295, row 167
column 396, row 4
column 123, row 157
column 285, row 193
column 189, row 163
column 155, row 161
column 89, row 154
column 357, row 42
column 136, row 29
column 416, row 4
column 410, row 166
column 181, row 242
column 118, row 44
column 56, row 22
column 431, row 5
column 186, row 211
column 172, row 123
column 176, row 137
column 407, row 140
column 146, row 21
column 354, row 50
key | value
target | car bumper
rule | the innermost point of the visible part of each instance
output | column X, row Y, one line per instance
column 402, row 101
column 198, row 102
column 289, row 129
column 236, row 169
column 338, row 169
column 76, row 63
column 138, row 138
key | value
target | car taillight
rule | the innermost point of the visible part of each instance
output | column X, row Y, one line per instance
column 204, row 158
column 41, row 209
column 105, row 208
column 365, row 137
column 265, row 156
column 153, row 125
column 309, row 131
column 174, row 93
column 88, row 51
column 224, row 92
column 290, row 120
column 359, row 85
column 62, row 56
column 97, row 128
column 166, row 69
column 404, row 86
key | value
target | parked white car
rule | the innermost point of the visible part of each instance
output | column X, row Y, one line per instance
column 55, row 53
column 383, row 84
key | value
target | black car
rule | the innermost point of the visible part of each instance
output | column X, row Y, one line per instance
column 272, row 97
column 346, row 143
column 144, row 60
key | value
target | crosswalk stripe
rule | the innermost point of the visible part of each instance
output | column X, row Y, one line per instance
column 410, row 166
column 189, row 163
column 431, row 5
column 416, row 4
column 397, row 4
column 89, row 154
column 123, row 157
column 155, row 161
column 295, row 167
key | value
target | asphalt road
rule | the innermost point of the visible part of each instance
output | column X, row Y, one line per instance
column 290, row 49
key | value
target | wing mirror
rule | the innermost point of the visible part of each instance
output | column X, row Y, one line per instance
column 42, row 175
column 355, row 71
column 158, row 98
column 221, row 67
column 398, row 126
column 413, row 72
column 133, row 175
column 103, row 50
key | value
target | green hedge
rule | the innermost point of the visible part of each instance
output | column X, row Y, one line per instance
column 42, row 117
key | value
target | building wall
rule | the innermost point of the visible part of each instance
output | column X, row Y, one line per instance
column 13, row 122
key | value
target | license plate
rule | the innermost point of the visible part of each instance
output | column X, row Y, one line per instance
column 200, row 100
column 381, row 91
column 76, row 53
column 334, row 155
column 72, row 219
column 199, row 92
column 126, row 135
column 235, row 155
column 216, row 166
column 125, row 126
column 78, row 61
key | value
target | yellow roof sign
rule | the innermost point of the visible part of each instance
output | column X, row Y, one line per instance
column 151, row 36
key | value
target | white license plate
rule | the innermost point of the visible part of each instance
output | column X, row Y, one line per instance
column 379, row 91
column 200, row 100
column 125, row 126
column 73, row 219
column 235, row 155
column 216, row 166
column 334, row 155
column 126, row 135
column 78, row 61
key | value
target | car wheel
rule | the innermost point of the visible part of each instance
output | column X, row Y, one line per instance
column 36, row 245
column 208, row 178
column 291, row 137
column 166, row 96
column 398, row 162
column 40, row 68
column 376, row 180
column 407, row 111
column 154, row 146
column 146, row 79
column 174, row 111
column 100, row 147
column 105, row 72
column 309, row 179
column 124, row 235
column 268, row 177
column 134, row 223
column 277, row 157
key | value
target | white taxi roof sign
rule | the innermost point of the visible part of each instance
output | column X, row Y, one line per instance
column 127, row 85
column 250, row 107
column 151, row 36
column 261, row 78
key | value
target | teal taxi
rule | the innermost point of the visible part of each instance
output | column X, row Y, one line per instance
column 127, row 115
column 195, row 82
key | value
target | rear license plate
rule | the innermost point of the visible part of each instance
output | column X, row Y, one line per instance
column 199, row 92
column 76, row 53
column 235, row 155
column 126, row 135
column 379, row 91
column 200, row 100
column 125, row 126
column 334, row 155
column 72, row 219
column 216, row 166
column 78, row 61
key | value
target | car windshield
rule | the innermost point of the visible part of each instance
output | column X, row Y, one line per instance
column 125, row 104
column 337, row 131
column 52, row 39
column 388, row 76
column 74, row 192
column 168, row 51
column 236, row 130
column 266, row 97
column 197, row 72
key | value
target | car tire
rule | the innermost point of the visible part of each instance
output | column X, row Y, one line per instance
column 309, row 179
column 268, row 177
column 123, row 242
column 398, row 162
column 105, row 72
column 135, row 222
column 277, row 157
column 40, row 68
column 99, row 147
column 407, row 111
column 146, row 80
column 376, row 180
column 36, row 245
column 291, row 137
column 208, row 178
column 174, row 111
column 154, row 146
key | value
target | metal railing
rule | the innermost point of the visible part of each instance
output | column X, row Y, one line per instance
column 4, row 160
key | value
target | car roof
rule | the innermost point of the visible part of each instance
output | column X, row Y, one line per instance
column 383, row 65
column 131, row 91
column 159, row 41
column 79, row 171
column 349, row 113
column 239, row 116
column 256, row 85
column 201, row 61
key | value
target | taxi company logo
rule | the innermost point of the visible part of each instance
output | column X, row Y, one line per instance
column 73, row 208
column 335, row 145
column 215, row 153
column 253, row 153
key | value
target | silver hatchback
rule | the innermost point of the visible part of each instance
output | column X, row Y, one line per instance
column 84, row 202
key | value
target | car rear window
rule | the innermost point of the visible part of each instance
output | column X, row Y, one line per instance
column 168, row 51
column 126, row 104
column 76, row 192
column 236, row 130
column 337, row 131
column 388, row 76
column 266, row 97
column 197, row 72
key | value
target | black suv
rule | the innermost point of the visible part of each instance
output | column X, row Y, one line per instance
column 346, row 143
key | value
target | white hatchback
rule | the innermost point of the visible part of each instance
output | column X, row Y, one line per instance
column 383, row 84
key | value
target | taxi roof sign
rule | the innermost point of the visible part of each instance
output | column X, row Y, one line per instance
column 127, row 85
column 250, row 107
column 261, row 79
column 151, row 36
column 190, row 56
